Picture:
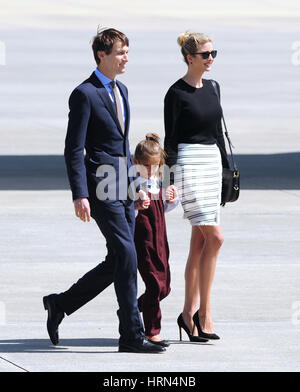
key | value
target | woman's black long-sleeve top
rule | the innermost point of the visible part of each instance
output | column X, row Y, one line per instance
column 192, row 115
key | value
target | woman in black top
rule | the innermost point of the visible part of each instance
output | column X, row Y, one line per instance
column 194, row 142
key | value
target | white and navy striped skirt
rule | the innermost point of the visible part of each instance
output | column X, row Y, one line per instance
column 198, row 177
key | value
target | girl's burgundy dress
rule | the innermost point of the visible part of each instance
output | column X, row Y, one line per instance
column 153, row 255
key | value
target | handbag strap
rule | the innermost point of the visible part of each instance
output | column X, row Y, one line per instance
column 213, row 82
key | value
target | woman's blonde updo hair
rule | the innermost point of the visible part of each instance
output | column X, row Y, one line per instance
column 191, row 42
column 148, row 147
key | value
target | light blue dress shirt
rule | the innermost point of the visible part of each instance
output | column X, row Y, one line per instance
column 106, row 83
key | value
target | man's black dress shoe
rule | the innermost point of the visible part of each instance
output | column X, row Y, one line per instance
column 141, row 346
column 55, row 316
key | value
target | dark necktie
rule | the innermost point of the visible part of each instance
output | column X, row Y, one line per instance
column 118, row 104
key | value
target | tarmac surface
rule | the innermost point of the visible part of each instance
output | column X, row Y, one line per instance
column 44, row 53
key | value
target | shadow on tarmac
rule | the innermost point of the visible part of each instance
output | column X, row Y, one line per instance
column 47, row 172
column 67, row 345
column 44, row 345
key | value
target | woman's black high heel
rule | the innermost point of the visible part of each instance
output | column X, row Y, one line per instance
column 181, row 324
column 202, row 334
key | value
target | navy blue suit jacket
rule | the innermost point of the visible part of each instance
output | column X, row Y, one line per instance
column 94, row 126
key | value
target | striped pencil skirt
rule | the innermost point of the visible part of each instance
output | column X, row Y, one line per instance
column 198, row 177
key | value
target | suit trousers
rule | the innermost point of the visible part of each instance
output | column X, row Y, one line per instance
column 116, row 221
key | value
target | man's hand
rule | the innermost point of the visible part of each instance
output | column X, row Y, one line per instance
column 171, row 194
column 82, row 209
column 143, row 202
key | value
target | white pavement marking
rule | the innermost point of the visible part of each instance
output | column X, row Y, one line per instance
column 14, row 364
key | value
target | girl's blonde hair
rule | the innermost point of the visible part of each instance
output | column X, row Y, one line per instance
column 148, row 147
column 191, row 42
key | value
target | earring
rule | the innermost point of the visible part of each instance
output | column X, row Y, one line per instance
column 191, row 63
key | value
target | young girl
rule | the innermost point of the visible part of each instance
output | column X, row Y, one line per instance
column 151, row 235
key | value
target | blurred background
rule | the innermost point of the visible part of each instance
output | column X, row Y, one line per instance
column 46, row 51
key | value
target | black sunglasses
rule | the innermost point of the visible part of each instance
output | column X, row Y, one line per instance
column 205, row 55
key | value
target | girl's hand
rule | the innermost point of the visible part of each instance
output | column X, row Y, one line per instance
column 143, row 202
column 171, row 194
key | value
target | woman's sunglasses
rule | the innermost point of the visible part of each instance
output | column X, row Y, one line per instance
column 205, row 55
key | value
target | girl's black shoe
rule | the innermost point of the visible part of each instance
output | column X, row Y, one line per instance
column 163, row 343
column 202, row 334
column 181, row 324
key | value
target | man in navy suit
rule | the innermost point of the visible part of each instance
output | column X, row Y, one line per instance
column 98, row 123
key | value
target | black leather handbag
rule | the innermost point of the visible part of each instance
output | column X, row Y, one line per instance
column 230, row 176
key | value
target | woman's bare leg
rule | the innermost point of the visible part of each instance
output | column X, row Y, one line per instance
column 192, row 276
column 213, row 238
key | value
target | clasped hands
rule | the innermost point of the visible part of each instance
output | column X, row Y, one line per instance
column 143, row 202
column 83, row 210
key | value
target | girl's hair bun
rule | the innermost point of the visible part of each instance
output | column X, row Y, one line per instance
column 153, row 137
column 148, row 148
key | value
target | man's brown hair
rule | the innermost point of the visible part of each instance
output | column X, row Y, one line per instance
column 105, row 39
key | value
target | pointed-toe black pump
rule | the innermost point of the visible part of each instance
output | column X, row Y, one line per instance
column 181, row 324
column 209, row 336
